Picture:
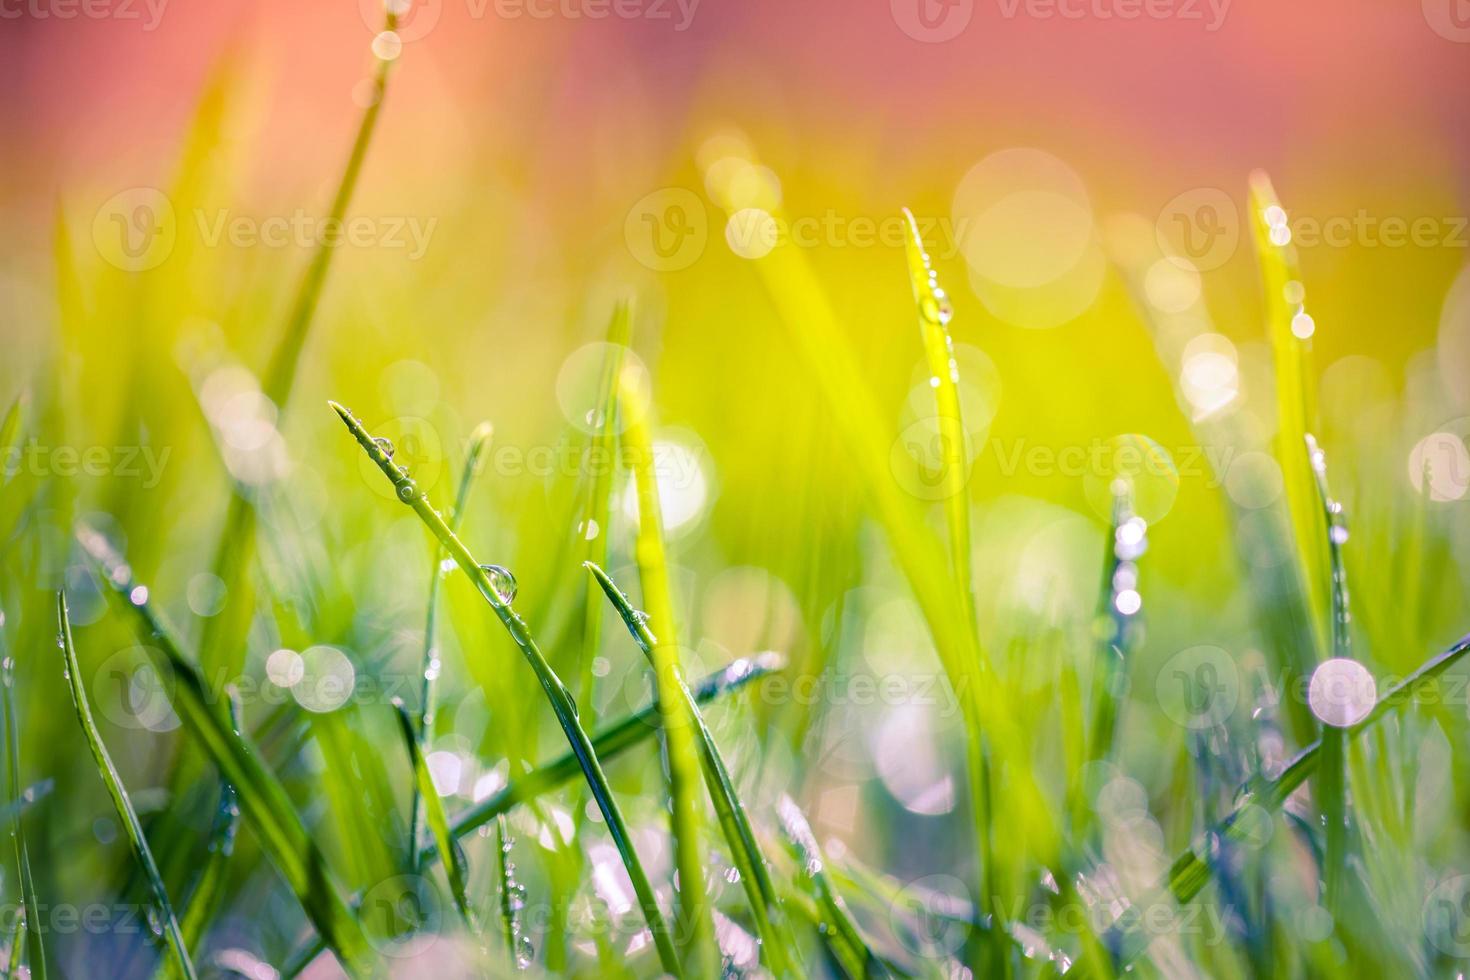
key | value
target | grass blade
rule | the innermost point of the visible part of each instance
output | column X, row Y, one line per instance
column 9, row 432
column 512, row 897
column 696, row 928
column 1192, row 870
column 841, row 932
column 1332, row 778
column 17, row 946
column 450, row 853
column 777, row 943
column 479, row 442
column 556, row 692
column 263, row 800
column 36, row 945
column 127, row 816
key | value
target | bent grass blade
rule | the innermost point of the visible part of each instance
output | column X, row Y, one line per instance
column 556, row 692
column 263, row 800
column 777, row 942
column 127, row 816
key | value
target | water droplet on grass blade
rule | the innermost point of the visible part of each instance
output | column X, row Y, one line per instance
column 386, row 445
column 502, row 581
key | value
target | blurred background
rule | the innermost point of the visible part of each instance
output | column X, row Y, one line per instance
column 1079, row 173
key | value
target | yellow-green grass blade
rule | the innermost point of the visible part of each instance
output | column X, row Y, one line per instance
column 126, row 815
column 428, row 686
column 35, row 940
column 455, row 866
column 696, row 928
column 10, row 435
column 831, row 362
column 263, row 800
column 17, row 946
column 1192, row 870
column 556, row 692
column 608, row 744
column 840, row 931
column 1295, row 395
column 777, row 943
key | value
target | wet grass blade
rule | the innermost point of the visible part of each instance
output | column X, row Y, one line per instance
column 450, row 853
column 778, row 946
column 1332, row 775
column 512, row 896
column 1192, row 870
column 209, row 889
column 35, row 941
column 474, row 455
column 556, row 692
column 263, row 800
column 841, row 932
column 126, row 815
column 17, row 946
column 696, row 927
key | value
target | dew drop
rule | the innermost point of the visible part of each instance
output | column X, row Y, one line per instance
column 408, row 491
column 502, row 581
column 386, row 445
column 525, row 951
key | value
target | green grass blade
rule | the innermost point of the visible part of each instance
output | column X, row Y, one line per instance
column 17, row 946
column 36, row 945
column 696, row 928
column 9, row 433
column 1332, row 778
column 1193, row 869
column 841, row 933
column 777, row 944
column 474, row 456
column 450, row 853
column 127, row 816
column 263, row 800
column 512, row 897
column 556, row 692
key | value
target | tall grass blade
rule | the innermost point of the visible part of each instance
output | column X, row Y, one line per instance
column 450, row 853
column 1332, row 780
column 556, row 692
column 263, row 800
column 1192, row 870
column 35, row 939
column 479, row 442
column 17, row 946
column 126, row 815
column 777, row 943
column 512, row 897
column 840, row 933
column 696, row 928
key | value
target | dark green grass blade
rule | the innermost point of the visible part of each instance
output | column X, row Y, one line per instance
column 263, row 800
column 449, row 850
column 512, row 896
column 841, row 933
column 609, row 743
column 36, row 947
column 1191, row 872
column 556, row 692
column 479, row 441
column 127, row 816
column 777, row 943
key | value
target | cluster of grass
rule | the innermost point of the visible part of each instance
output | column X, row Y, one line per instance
column 291, row 839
